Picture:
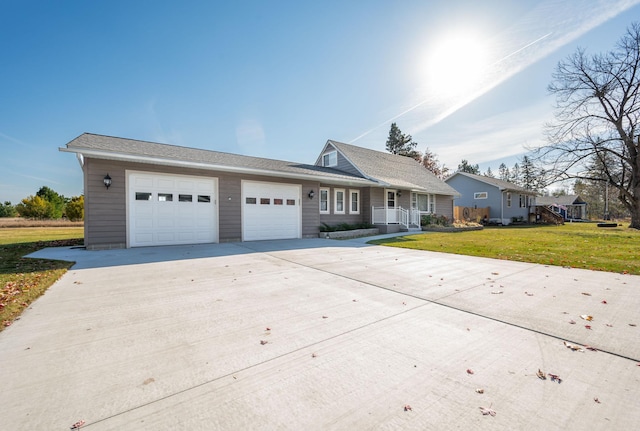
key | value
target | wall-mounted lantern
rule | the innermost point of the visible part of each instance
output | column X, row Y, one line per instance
column 311, row 194
column 107, row 181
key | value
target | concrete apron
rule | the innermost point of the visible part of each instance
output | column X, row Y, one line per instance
column 321, row 334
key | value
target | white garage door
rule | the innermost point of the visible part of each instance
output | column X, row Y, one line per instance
column 171, row 209
column 271, row 211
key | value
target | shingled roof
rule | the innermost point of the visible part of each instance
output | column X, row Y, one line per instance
column 392, row 170
column 500, row 184
column 113, row 148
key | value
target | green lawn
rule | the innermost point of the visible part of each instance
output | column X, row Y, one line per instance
column 23, row 280
column 578, row 245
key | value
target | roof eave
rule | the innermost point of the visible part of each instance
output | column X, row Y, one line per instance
column 84, row 152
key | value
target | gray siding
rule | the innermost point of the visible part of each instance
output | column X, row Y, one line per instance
column 468, row 186
column 444, row 206
column 334, row 219
column 343, row 164
column 106, row 213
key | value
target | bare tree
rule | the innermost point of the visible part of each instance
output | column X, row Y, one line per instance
column 431, row 162
column 597, row 112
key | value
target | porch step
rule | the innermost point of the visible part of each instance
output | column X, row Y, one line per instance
column 411, row 229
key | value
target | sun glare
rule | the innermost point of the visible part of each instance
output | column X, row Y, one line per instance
column 456, row 63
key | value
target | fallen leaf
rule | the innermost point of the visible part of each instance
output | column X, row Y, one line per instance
column 586, row 293
column 586, row 317
column 487, row 411
column 587, row 326
column 596, row 400
column 470, row 371
column 267, row 329
column 593, row 349
column 632, row 324
column 573, row 347
column 263, row 342
column 528, row 294
column 480, row 391
column 609, row 325
column 325, row 317
column 497, row 292
column 407, row 408
column 603, row 301
column 555, row 378
column 149, row 380
column 313, row 355
column 495, row 273
column 573, row 322
column 78, row 425
column 541, row 375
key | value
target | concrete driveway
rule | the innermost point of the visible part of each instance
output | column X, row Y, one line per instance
column 321, row 334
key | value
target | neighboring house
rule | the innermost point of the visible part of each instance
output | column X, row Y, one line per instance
column 570, row 207
column 506, row 201
column 162, row 194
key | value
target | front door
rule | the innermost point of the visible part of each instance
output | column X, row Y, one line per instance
column 392, row 215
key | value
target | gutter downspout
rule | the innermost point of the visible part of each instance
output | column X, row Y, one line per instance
column 501, row 206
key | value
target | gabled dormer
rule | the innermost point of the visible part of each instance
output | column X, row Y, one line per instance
column 332, row 157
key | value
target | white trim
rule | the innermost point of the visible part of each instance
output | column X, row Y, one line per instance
column 328, row 191
column 105, row 155
column 332, row 159
column 480, row 195
column 335, row 201
column 351, row 193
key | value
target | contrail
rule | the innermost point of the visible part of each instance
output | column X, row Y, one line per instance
column 453, row 109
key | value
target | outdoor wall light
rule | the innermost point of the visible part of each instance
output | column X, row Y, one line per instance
column 107, row 181
column 399, row 193
column 311, row 194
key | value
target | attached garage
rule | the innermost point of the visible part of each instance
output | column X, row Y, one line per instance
column 166, row 209
column 271, row 211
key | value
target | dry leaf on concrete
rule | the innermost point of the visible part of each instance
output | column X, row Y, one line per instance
column 586, row 317
column 541, row 374
column 487, row 411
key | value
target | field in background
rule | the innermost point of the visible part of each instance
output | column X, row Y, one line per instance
column 576, row 245
column 23, row 280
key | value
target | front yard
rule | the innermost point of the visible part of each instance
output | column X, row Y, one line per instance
column 576, row 245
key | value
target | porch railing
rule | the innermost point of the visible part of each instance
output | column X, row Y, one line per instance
column 399, row 215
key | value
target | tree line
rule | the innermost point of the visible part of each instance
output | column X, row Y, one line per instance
column 46, row 204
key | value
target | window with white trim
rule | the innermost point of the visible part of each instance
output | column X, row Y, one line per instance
column 338, row 205
column 508, row 200
column 423, row 202
column 480, row 195
column 354, row 201
column 330, row 159
column 324, row 201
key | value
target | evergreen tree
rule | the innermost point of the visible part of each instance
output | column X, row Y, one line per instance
column 516, row 176
column 489, row 173
column 503, row 172
column 464, row 166
column 401, row 144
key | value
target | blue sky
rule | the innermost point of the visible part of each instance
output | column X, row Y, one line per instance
column 278, row 78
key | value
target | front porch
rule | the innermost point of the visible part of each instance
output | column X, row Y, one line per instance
column 390, row 220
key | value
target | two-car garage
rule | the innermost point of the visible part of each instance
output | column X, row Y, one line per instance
column 168, row 209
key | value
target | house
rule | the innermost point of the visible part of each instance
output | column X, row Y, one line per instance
column 141, row 193
column 506, row 201
column 570, row 207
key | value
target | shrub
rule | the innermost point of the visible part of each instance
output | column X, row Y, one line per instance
column 8, row 210
column 74, row 210
column 344, row 226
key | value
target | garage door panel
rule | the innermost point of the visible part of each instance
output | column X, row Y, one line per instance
column 271, row 211
column 169, row 212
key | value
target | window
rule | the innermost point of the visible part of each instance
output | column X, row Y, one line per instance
column 480, row 195
column 291, row 201
column 251, row 201
column 265, row 201
column 204, row 198
column 165, row 197
column 324, row 201
column 523, row 202
column 354, row 201
column 143, row 196
column 338, row 207
column 508, row 200
column 185, row 198
column 432, row 204
column 423, row 203
column 278, row 201
column 330, row 159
